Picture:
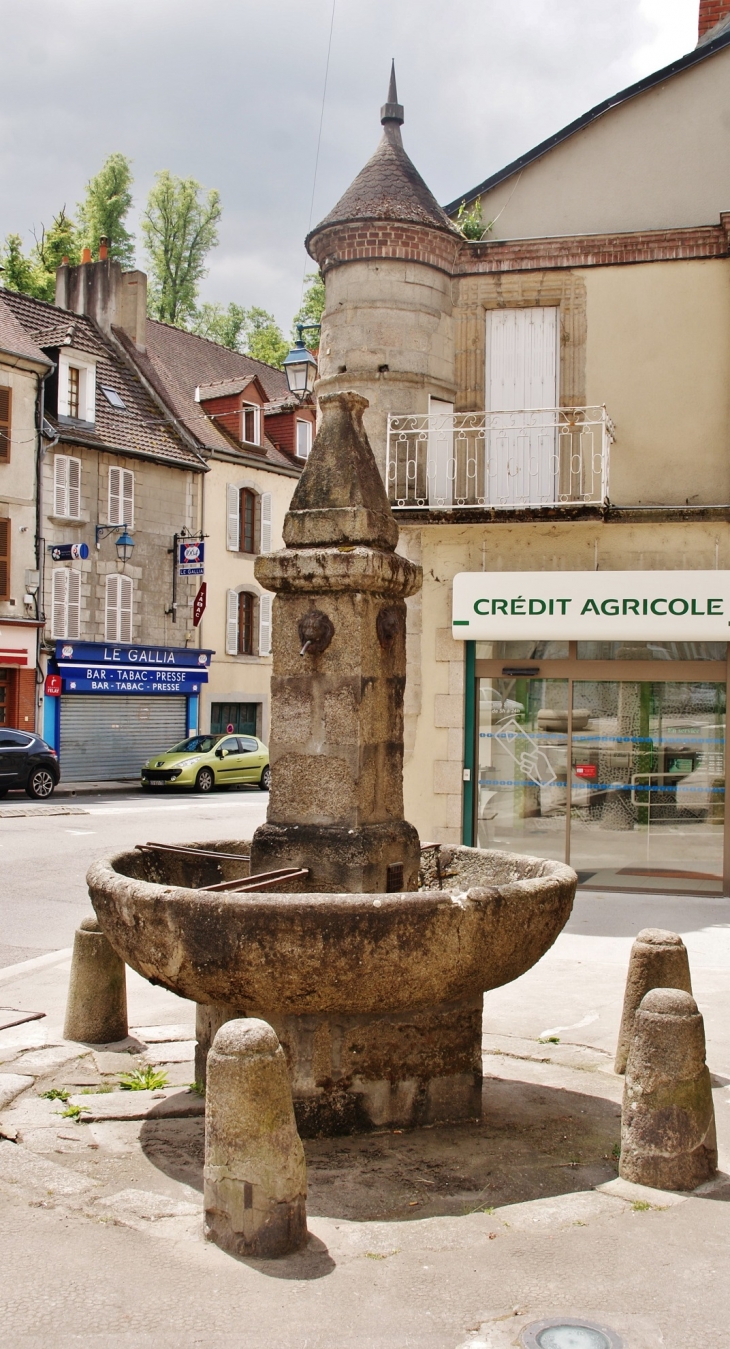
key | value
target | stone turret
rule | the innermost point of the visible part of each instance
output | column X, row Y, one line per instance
column 387, row 253
column 336, row 745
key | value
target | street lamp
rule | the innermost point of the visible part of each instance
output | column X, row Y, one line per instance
column 124, row 544
column 300, row 366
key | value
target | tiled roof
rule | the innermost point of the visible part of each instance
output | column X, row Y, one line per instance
column 225, row 388
column 14, row 339
column 177, row 363
column 388, row 188
column 141, row 428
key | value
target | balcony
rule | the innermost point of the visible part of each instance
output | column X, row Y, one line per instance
column 528, row 459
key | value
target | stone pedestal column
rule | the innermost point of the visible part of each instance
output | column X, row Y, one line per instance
column 96, row 1008
column 336, row 745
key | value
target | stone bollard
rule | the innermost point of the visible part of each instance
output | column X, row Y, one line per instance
column 668, row 1117
column 96, row 1009
column 209, row 1017
column 255, row 1172
column 658, row 960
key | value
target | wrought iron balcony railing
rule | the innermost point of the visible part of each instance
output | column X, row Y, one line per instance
column 520, row 460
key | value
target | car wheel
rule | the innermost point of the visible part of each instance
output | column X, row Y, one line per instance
column 40, row 784
column 205, row 781
column 265, row 779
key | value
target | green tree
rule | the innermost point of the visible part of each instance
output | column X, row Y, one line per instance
column 179, row 228
column 312, row 306
column 105, row 208
column 252, row 331
column 35, row 274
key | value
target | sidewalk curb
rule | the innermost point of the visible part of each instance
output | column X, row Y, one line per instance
column 10, row 972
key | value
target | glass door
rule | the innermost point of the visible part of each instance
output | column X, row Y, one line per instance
column 521, row 797
column 647, row 784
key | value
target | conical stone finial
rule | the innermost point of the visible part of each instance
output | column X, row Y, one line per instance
column 392, row 110
column 340, row 497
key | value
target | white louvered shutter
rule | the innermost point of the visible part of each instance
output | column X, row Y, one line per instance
column 233, row 516
column 125, row 592
column 115, row 502
column 60, row 484
column 265, row 522
column 111, row 617
column 265, row 625
column 73, row 607
column 232, row 623
column 59, row 587
column 73, row 501
column 127, row 501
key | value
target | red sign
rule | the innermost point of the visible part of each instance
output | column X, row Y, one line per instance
column 199, row 604
column 53, row 686
column 585, row 770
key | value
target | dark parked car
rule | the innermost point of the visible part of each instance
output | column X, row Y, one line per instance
column 27, row 761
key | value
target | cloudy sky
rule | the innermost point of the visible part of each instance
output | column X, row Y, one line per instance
column 230, row 92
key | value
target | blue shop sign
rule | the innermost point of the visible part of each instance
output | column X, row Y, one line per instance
column 191, row 557
column 104, row 667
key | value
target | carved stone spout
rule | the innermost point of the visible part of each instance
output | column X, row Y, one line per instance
column 336, row 745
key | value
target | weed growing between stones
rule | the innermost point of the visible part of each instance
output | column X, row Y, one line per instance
column 73, row 1112
column 55, row 1094
column 143, row 1079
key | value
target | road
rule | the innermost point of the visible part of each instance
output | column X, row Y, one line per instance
column 44, row 858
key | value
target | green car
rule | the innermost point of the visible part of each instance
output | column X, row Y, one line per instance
column 207, row 761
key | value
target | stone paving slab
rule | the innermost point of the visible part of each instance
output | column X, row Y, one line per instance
column 168, row 1103
column 19, row 1166
column 178, row 1051
column 107, row 1063
column 152, row 1035
column 642, row 1194
column 11, row 1085
column 149, row 1205
column 586, row 1057
column 563, row 1210
column 38, row 1062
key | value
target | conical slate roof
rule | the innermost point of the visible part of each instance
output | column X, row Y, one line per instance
column 390, row 186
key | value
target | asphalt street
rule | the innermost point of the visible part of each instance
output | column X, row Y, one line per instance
column 44, row 858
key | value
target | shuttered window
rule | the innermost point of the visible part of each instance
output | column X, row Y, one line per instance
column 265, row 512
column 232, row 623
column 121, row 497
column 66, row 487
column 246, row 535
column 246, row 603
column 66, row 603
column 265, row 625
column 4, row 559
column 119, row 602
column 233, row 520
column 5, row 401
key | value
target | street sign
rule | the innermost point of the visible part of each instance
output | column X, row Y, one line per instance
column 191, row 557
column 199, row 603
column 69, row 552
column 53, row 686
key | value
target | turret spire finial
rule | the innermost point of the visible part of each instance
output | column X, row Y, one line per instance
column 392, row 111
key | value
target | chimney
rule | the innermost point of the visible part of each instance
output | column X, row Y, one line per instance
column 109, row 296
column 711, row 13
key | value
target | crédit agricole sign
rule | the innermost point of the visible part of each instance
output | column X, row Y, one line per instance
column 592, row 605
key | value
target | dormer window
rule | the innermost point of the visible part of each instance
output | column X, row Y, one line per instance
column 76, row 385
column 250, row 419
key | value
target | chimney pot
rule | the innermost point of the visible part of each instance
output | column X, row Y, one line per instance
column 86, row 255
column 103, row 248
column 64, row 260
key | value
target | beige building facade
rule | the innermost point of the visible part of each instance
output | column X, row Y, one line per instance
column 555, row 399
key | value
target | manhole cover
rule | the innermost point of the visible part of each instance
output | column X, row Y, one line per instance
column 567, row 1333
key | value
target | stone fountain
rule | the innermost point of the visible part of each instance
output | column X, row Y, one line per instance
column 373, row 986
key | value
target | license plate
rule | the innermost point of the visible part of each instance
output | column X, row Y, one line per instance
column 157, row 782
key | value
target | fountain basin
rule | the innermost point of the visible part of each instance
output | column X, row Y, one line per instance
column 376, row 998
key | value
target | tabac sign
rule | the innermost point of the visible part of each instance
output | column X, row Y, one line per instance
column 592, row 605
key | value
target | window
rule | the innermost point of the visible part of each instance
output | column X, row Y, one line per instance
column 5, row 401
column 248, row 520
column 76, row 385
column 119, row 598
column 6, row 689
column 248, row 514
column 66, row 487
column 4, row 559
column 248, row 624
column 121, row 497
column 113, row 398
column 73, row 391
column 66, row 602
column 304, row 438
column 250, row 425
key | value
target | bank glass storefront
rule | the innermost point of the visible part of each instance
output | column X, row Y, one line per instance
column 609, row 755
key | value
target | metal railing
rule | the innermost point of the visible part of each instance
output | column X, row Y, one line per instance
column 516, row 460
